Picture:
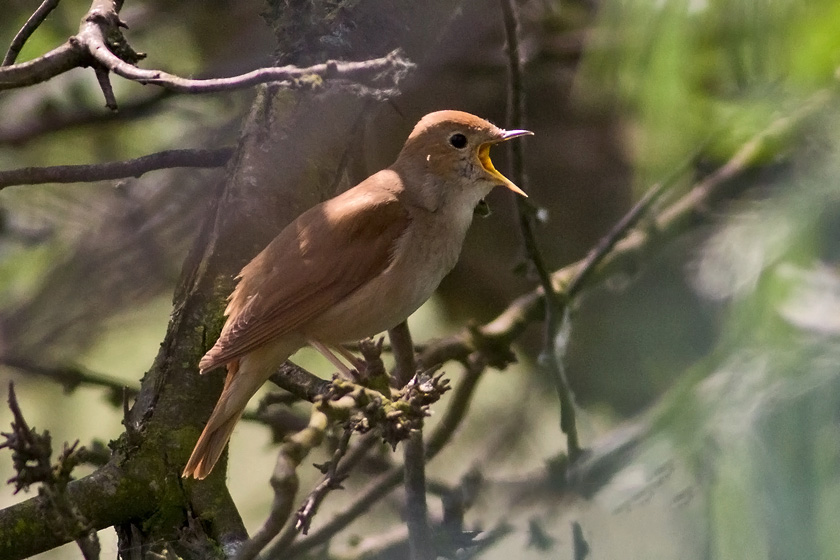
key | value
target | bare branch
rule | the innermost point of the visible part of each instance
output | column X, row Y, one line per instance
column 299, row 382
column 116, row 169
column 32, row 456
column 71, row 377
column 554, row 305
column 284, row 481
column 57, row 61
column 620, row 229
column 105, row 85
column 27, row 30
column 100, row 43
column 289, row 76
column 403, row 349
column 40, row 122
column 331, row 481
column 420, row 541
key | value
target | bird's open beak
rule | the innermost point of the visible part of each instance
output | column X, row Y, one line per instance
column 487, row 164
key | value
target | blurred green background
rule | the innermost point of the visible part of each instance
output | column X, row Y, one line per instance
column 719, row 356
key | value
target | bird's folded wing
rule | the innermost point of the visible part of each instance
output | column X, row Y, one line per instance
column 318, row 260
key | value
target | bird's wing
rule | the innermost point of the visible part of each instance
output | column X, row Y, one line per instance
column 318, row 260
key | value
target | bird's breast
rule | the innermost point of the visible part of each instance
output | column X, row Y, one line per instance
column 422, row 256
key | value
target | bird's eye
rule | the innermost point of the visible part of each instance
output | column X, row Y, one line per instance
column 458, row 140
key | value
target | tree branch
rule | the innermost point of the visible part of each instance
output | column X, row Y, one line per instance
column 41, row 122
column 420, row 542
column 34, row 21
column 116, row 169
column 284, row 481
column 554, row 305
column 71, row 377
column 386, row 482
column 99, row 43
column 331, row 481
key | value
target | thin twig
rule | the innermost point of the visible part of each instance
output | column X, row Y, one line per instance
column 629, row 220
column 34, row 21
column 285, row 482
column 580, row 547
column 41, row 122
column 71, row 377
column 352, row 457
column 554, row 306
column 102, row 76
column 116, row 169
column 31, row 456
column 331, row 481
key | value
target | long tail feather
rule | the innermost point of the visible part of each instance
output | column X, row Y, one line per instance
column 209, row 448
column 239, row 388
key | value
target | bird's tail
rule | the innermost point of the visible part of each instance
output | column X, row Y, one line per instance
column 239, row 388
column 244, row 377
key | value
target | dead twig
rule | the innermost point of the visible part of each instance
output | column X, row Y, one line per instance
column 32, row 460
column 116, row 169
column 331, row 481
column 34, row 21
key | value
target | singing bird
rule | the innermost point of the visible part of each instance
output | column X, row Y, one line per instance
column 353, row 266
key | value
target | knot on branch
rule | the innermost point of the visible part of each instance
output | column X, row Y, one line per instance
column 395, row 417
column 374, row 374
column 110, row 25
column 495, row 350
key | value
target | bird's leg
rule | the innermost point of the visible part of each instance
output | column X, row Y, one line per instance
column 333, row 359
column 354, row 360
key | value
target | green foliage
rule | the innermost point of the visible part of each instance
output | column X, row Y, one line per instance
column 754, row 420
column 690, row 71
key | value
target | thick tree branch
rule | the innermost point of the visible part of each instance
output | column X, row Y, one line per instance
column 47, row 66
column 104, row 498
column 116, row 169
column 34, row 21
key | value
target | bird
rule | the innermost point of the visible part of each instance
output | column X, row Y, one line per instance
column 352, row 266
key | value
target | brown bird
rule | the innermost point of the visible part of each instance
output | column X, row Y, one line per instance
column 353, row 266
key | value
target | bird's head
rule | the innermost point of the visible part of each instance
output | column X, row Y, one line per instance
column 455, row 147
